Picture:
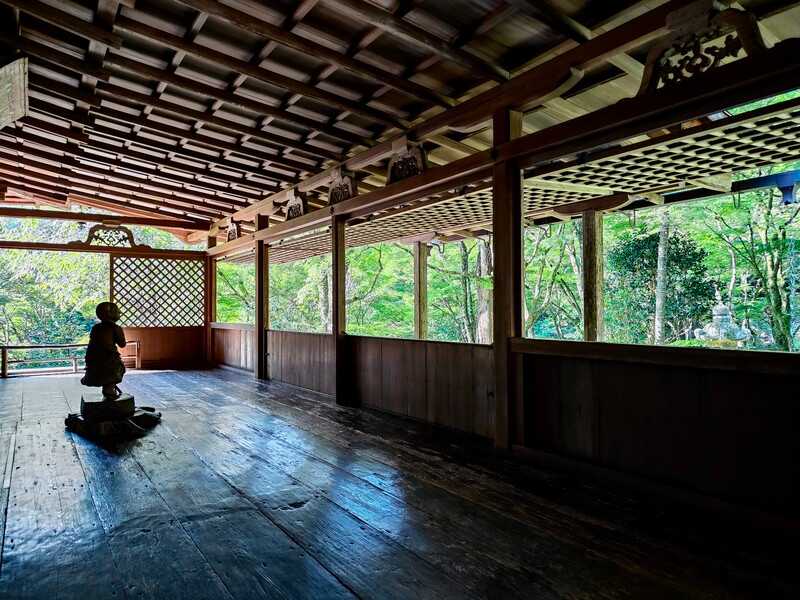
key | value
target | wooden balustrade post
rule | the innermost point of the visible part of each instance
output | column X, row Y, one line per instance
column 344, row 394
column 421, row 252
column 592, row 221
column 508, row 299
column 261, row 367
column 3, row 362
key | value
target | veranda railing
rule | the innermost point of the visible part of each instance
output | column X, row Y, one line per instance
column 74, row 360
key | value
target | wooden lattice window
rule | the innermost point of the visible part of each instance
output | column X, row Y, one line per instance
column 158, row 292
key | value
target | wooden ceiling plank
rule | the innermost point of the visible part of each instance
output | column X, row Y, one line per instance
column 70, row 165
column 66, row 21
column 271, row 32
column 158, row 164
column 259, row 73
column 410, row 33
column 32, row 179
column 182, row 111
column 185, row 83
column 56, row 57
column 160, row 75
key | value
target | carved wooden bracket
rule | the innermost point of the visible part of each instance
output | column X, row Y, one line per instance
column 407, row 160
column 704, row 35
column 110, row 236
column 296, row 205
column 234, row 231
column 342, row 186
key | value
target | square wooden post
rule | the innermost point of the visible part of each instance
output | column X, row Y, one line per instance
column 261, row 367
column 507, row 316
column 592, row 275
column 344, row 395
column 421, row 252
column 211, row 302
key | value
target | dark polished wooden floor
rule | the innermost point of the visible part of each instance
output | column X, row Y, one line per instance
column 253, row 490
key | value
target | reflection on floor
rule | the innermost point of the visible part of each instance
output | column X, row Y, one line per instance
column 261, row 490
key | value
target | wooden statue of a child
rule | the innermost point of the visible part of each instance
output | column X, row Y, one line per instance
column 104, row 367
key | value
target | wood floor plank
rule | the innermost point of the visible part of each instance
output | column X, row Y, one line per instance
column 478, row 549
column 261, row 490
column 402, row 466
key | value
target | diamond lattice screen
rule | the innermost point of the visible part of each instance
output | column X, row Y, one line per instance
column 158, row 292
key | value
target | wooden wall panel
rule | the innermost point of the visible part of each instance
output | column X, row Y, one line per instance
column 443, row 383
column 169, row 347
column 730, row 434
column 302, row 359
column 233, row 345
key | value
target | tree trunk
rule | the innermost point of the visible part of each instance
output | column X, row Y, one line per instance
column 661, row 278
column 485, row 268
column 325, row 302
column 466, row 296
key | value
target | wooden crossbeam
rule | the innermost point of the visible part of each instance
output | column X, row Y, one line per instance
column 259, row 73
column 57, row 215
column 66, row 21
column 409, row 32
column 71, row 168
column 271, row 32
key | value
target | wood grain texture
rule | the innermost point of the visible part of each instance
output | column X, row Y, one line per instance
column 722, row 433
column 254, row 489
column 303, row 359
column 442, row 383
column 168, row 347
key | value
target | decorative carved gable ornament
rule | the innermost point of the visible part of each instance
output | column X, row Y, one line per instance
column 234, row 231
column 342, row 187
column 704, row 35
column 110, row 236
column 407, row 160
column 296, row 205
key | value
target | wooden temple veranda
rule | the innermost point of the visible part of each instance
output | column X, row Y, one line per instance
column 322, row 465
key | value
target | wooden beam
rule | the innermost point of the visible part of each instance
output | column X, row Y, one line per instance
column 408, row 32
column 508, row 283
column 57, row 215
column 256, row 72
column 141, row 252
column 546, row 77
column 421, row 252
column 345, row 394
column 66, row 21
column 592, row 222
column 269, row 31
column 261, row 367
column 260, row 108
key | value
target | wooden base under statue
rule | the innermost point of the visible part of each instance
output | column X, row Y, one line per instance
column 118, row 417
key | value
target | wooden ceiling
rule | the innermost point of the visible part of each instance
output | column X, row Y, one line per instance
column 195, row 109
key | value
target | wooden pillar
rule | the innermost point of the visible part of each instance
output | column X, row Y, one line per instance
column 3, row 362
column 421, row 252
column 261, row 367
column 593, row 275
column 344, row 395
column 211, row 301
column 507, row 315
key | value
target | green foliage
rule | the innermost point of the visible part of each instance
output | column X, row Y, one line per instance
column 631, row 287
column 299, row 295
column 379, row 289
column 236, row 292
column 553, row 279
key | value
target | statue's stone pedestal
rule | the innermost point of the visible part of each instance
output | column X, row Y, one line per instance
column 120, row 418
column 108, row 410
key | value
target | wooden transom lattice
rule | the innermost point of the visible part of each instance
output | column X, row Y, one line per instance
column 158, row 292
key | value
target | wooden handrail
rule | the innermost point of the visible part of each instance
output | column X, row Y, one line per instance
column 5, row 362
